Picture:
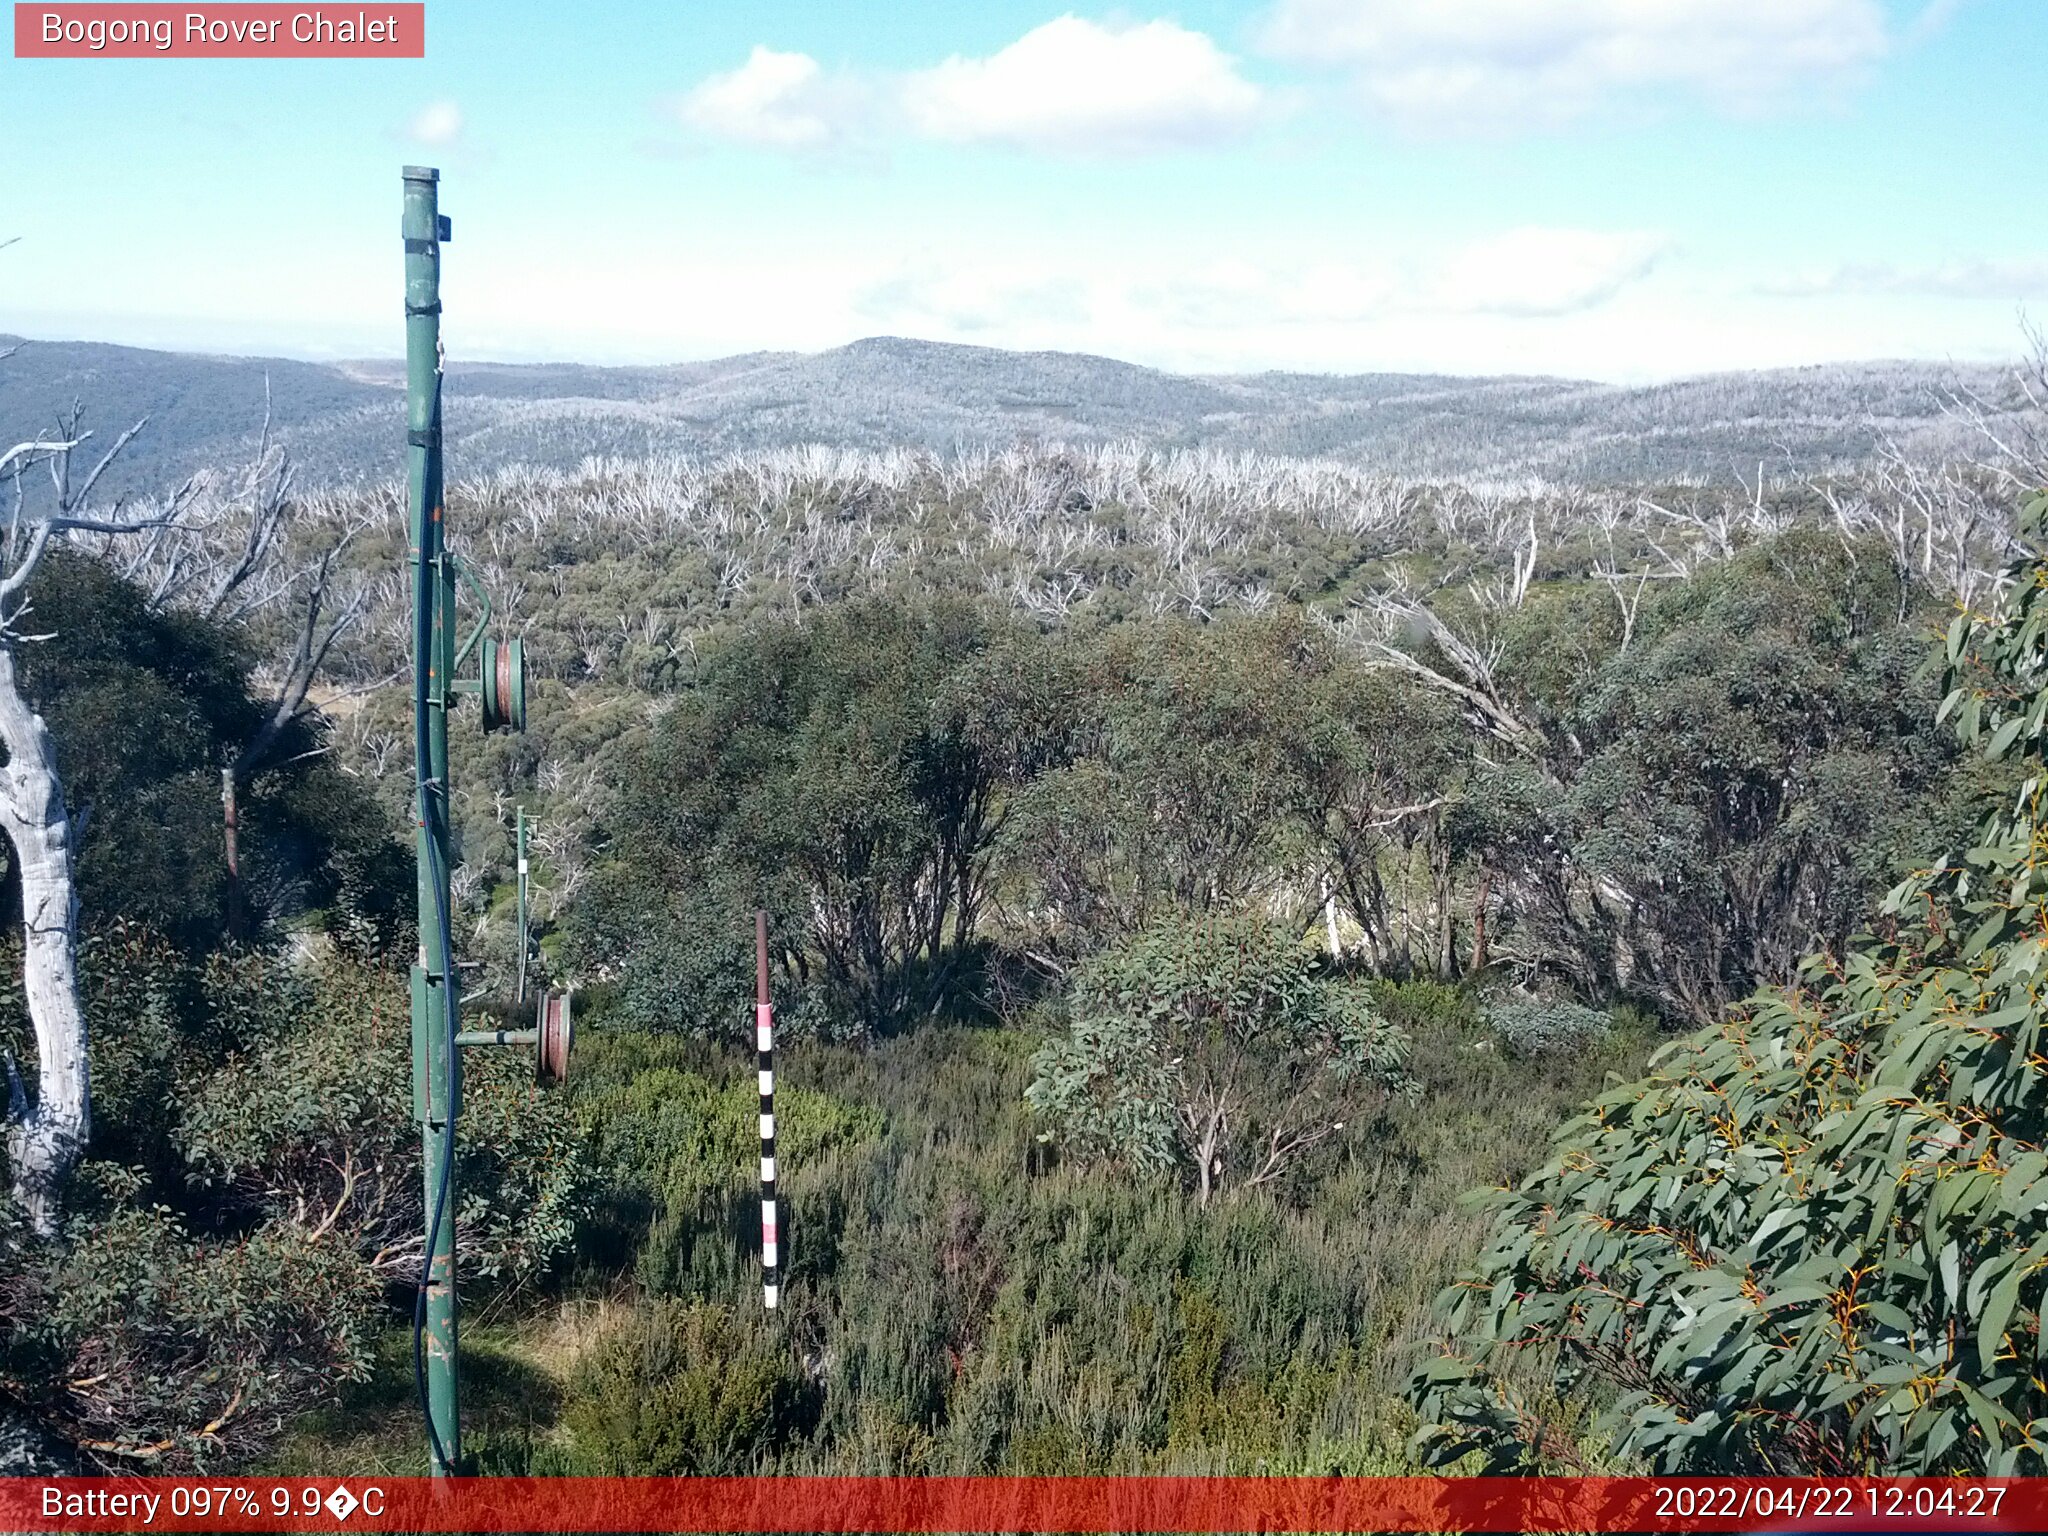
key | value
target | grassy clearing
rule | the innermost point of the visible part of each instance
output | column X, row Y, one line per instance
column 958, row 1298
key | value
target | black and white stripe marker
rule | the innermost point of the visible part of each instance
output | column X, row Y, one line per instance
column 764, row 1046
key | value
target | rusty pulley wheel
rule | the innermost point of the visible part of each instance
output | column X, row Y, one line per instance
column 553, row 1038
column 501, row 685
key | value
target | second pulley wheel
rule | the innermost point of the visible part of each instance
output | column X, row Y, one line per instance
column 501, row 685
column 553, row 1037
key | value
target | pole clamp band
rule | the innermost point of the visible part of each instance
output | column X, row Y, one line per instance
column 423, row 309
column 419, row 247
column 419, row 439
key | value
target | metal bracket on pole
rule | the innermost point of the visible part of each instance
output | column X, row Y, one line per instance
column 468, row 579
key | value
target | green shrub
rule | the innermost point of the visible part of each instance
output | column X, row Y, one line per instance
column 144, row 705
column 146, row 1346
column 1546, row 1026
column 683, row 1389
column 680, row 1156
column 1423, row 1004
column 1211, row 1045
column 314, row 1127
column 687, row 970
column 674, row 1134
column 255, row 1186
column 839, row 768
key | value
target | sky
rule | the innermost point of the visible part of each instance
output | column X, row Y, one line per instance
column 1624, row 190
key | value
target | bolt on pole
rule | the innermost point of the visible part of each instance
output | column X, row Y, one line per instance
column 436, row 1063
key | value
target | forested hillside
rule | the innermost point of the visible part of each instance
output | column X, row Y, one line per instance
column 1190, row 873
column 887, row 393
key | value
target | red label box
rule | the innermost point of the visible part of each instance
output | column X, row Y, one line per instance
column 370, row 30
column 1170, row 1506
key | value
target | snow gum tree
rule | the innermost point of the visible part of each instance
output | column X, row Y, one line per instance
column 1815, row 1238
column 46, row 1133
column 1211, row 1045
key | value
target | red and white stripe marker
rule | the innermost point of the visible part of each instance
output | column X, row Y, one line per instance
column 764, row 1046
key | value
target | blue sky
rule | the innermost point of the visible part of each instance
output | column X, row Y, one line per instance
column 1621, row 189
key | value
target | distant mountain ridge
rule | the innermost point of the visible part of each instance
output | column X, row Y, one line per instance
column 342, row 421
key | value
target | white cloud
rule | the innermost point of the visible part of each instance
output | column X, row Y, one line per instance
column 774, row 101
column 1231, row 294
column 1245, row 301
column 1070, row 86
column 1058, row 303
column 1933, row 19
column 1521, row 289
column 1080, row 85
column 1455, row 65
column 438, row 123
column 1534, row 271
column 1246, row 313
column 1971, row 279
column 970, row 300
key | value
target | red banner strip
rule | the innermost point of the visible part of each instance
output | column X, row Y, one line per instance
column 1021, row 1504
column 115, row 31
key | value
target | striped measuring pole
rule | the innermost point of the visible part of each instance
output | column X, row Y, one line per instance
column 764, row 1046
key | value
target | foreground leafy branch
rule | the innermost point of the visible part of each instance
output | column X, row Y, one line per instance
column 1816, row 1238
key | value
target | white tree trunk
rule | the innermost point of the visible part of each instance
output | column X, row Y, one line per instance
column 45, row 1139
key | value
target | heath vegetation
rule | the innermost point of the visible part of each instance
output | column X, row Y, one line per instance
column 1191, row 872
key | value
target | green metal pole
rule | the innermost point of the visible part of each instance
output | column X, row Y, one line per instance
column 436, row 1064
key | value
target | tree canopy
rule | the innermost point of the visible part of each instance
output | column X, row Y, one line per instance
column 1814, row 1238
column 1209, row 1046
column 146, row 707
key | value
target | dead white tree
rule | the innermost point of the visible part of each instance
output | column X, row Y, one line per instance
column 1408, row 631
column 1509, row 588
column 1942, row 509
column 1628, row 587
column 46, row 1134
